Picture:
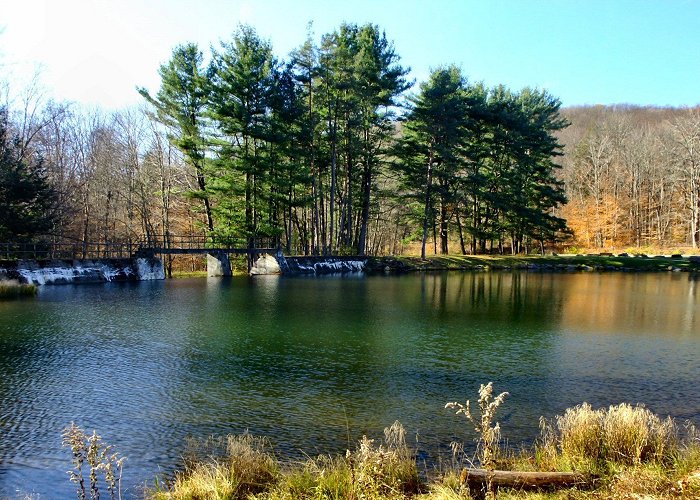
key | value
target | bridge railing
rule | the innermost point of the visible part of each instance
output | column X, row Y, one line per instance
column 122, row 250
column 92, row 250
column 201, row 242
column 188, row 242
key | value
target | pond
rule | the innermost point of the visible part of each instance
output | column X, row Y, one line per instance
column 315, row 363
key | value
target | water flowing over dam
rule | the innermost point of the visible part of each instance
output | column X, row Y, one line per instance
column 72, row 271
column 325, row 265
column 63, row 271
column 105, row 262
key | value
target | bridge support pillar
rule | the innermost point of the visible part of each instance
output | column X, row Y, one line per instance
column 218, row 264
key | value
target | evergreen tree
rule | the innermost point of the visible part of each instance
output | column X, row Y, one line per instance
column 539, row 188
column 380, row 81
column 304, row 69
column 242, row 89
column 27, row 201
column 433, row 135
column 335, row 79
column 472, row 197
column 361, row 81
column 289, row 174
column 180, row 105
column 523, row 189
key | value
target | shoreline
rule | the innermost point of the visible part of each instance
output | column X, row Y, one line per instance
column 549, row 263
column 618, row 452
column 401, row 264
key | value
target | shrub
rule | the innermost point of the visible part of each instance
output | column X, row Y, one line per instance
column 622, row 434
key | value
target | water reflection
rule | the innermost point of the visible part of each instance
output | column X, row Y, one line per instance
column 637, row 304
column 313, row 362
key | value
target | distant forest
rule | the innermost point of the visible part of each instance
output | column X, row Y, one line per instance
column 330, row 152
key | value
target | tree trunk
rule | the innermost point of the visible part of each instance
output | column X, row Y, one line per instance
column 203, row 188
column 461, row 235
column 331, row 215
column 443, row 227
column 426, row 210
column 366, row 194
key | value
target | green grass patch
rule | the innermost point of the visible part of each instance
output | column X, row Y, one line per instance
column 189, row 274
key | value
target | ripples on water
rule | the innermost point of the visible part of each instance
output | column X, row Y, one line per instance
column 313, row 362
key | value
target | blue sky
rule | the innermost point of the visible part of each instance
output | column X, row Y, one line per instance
column 95, row 52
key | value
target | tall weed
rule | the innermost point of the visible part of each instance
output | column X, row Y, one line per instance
column 489, row 433
column 387, row 469
column 92, row 456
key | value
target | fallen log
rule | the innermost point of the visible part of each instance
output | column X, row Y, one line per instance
column 478, row 480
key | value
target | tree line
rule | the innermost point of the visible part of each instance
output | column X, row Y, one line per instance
column 322, row 152
column 329, row 152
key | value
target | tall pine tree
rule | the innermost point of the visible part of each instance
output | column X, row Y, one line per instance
column 429, row 150
column 242, row 90
column 180, row 105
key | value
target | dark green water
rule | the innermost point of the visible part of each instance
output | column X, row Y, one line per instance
column 312, row 363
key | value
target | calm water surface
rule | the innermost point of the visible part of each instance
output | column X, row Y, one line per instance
column 314, row 363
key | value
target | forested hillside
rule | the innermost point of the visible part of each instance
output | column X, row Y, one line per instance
column 330, row 151
column 632, row 176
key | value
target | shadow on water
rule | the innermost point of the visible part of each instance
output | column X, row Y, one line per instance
column 315, row 363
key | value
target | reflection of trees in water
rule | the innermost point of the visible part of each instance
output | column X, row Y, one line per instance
column 628, row 337
column 636, row 304
column 487, row 326
column 498, row 296
column 689, row 316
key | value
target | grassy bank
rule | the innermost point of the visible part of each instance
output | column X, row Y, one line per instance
column 189, row 274
column 13, row 290
column 641, row 263
column 624, row 451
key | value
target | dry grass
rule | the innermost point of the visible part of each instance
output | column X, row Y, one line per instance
column 584, row 438
column 447, row 486
column 235, row 468
column 320, row 477
column 633, row 453
column 634, row 435
column 388, row 469
column 14, row 289
column 630, row 452
column 249, row 470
